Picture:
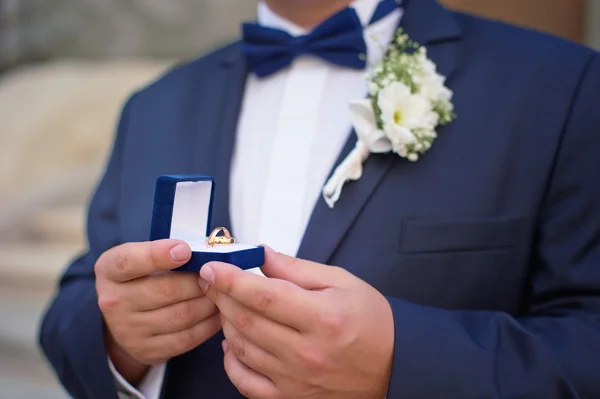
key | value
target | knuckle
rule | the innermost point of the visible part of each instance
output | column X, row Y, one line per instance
column 101, row 263
column 243, row 321
column 183, row 312
column 227, row 282
column 165, row 289
column 207, row 307
column 238, row 346
column 337, row 270
column 122, row 263
column 293, row 261
column 216, row 297
column 108, row 303
column 333, row 324
column 263, row 301
column 208, row 329
column 155, row 252
column 338, row 274
column 312, row 359
column 99, row 267
column 186, row 341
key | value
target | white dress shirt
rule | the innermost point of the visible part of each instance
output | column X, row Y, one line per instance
column 292, row 128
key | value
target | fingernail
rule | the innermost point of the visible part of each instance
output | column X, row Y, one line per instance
column 179, row 253
column 203, row 284
column 225, row 345
column 207, row 274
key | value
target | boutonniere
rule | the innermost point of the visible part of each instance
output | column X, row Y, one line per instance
column 408, row 100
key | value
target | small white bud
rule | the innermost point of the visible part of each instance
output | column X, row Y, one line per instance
column 373, row 88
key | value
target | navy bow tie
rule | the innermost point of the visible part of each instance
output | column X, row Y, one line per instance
column 339, row 40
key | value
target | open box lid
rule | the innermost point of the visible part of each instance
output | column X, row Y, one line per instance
column 182, row 207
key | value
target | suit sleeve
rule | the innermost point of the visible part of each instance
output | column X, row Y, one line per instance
column 71, row 334
column 552, row 349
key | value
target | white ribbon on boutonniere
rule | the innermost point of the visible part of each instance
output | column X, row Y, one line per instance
column 407, row 101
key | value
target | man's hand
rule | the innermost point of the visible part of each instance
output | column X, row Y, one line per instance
column 308, row 331
column 151, row 315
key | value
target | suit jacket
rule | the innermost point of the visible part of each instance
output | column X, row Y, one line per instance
column 488, row 248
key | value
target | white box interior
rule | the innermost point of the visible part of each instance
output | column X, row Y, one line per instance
column 190, row 217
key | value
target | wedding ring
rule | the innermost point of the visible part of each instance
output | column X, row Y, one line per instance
column 215, row 239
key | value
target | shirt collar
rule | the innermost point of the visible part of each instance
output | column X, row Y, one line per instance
column 266, row 17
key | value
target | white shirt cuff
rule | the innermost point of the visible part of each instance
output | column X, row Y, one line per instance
column 149, row 388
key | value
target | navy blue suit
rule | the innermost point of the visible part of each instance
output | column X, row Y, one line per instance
column 488, row 248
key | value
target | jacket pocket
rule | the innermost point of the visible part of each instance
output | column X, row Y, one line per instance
column 489, row 234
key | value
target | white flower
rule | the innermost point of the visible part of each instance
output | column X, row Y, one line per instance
column 433, row 88
column 408, row 100
column 373, row 88
column 431, row 84
column 364, row 121
column 402, row 112
column 402, row 39
column 401, row 150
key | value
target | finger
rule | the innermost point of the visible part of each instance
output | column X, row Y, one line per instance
column 161, row 348
column 275, row 338
column 306, row 274
column 278, row 300
column 248, row 353
column 133, row 260
column 176, row 317
column 160, row 290
column 250, row 383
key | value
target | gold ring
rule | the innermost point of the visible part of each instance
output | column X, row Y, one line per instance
column 215, row 239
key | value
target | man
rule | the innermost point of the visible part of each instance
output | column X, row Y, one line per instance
column 472, row 273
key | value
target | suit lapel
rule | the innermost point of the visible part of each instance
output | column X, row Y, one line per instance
column 429, row 24
column 328, row 226
column 230, row 81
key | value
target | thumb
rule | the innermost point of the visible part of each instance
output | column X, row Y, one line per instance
column 306, row 274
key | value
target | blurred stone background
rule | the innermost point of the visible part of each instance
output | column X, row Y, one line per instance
column 47, row 29
column 66, row 66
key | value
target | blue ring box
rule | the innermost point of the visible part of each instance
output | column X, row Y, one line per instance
column 183, row 211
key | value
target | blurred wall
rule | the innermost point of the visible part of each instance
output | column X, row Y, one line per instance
column 175, row 29
column 560, row 17
column 592, row 22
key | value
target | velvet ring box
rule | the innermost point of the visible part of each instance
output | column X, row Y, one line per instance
column 183, row 210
